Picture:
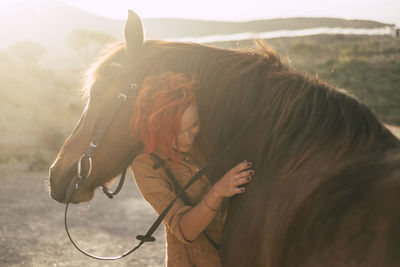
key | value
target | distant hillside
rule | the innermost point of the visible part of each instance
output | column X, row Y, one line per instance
column 177, row 28
column 50, row 23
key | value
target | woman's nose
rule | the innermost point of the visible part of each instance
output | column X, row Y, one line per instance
column 186, row 138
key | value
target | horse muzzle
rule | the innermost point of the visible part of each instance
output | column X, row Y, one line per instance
column 74, row 181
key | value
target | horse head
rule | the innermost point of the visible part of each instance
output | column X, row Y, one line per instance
column 109, row 82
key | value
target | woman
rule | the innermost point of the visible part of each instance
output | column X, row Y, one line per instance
column 167, row 122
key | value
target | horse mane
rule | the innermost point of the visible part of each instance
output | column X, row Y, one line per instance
column 101, row 72
column 306, row 117
column 298, row 115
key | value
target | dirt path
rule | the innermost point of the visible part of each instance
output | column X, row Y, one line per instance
column 32, row 228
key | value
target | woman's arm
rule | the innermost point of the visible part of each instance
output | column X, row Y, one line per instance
column 194, row 221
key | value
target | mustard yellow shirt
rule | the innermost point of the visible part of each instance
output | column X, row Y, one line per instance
column 158, row 190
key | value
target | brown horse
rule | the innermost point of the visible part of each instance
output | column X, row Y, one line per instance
column 327, row 184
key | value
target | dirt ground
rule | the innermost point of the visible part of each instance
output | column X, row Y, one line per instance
column 32, row 227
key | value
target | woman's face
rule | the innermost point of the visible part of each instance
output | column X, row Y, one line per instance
column 190, row 126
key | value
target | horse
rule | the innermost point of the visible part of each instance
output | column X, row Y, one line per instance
column 326, row 189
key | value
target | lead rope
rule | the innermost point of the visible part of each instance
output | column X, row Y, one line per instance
column 207, row 168
column 177, row 187
column 148, row 236
column 80, row 181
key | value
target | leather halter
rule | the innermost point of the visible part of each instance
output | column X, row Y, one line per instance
column 89, row 153
column 80, row 178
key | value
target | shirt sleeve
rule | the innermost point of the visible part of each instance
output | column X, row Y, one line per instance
column 159, row 192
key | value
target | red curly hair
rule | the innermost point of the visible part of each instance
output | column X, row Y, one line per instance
column 159, row 108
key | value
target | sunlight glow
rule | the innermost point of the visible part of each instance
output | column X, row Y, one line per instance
column 233, row 10
column 239, row 10
column 9, row 2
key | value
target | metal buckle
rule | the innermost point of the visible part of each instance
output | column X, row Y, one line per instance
column 92, row 145
column 122, row 97
column 79, row 168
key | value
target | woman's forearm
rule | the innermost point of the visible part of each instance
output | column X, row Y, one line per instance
column 193, row 222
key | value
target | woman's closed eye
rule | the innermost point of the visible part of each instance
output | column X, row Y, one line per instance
column 193, row 126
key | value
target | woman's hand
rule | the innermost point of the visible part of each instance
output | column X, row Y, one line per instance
column 230, row 183
column 197, row 219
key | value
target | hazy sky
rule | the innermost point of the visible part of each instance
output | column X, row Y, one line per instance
column 382, row 10
column 387, row 11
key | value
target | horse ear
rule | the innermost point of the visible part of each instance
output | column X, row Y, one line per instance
column 133, row 33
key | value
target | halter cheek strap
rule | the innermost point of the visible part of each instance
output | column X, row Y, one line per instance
column 80, row 178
